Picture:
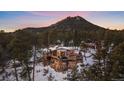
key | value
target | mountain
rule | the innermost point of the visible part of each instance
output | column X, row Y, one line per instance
column 75, row 28
column 76, row 23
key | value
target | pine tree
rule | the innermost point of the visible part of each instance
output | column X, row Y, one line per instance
column 20, row 48
column 73, row 75
column 117, row 62
column 99, row 69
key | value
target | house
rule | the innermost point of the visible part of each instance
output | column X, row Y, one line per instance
column 62, row 58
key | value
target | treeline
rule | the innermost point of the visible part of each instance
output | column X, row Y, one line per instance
column 109, row 36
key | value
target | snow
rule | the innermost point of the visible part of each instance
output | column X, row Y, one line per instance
column 39, row 73
column 38, row 55
column 89, row 57
column 79, row 68
column 53, row 48
column 44, row 73
column 60, row 48
column 9, row 74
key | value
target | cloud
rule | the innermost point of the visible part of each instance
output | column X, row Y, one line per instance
column 57, row 13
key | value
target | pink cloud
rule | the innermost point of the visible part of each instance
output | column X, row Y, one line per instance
column 58, row 13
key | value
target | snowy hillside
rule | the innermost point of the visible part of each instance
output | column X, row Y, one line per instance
column 46, row 73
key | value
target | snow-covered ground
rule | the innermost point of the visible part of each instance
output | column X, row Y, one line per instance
column 47, row 73
column 9, row 74
column 41, row 74
column 44, row 73
column 89, row 57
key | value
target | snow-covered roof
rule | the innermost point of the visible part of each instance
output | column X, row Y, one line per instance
column 64, row 48
column 53, row 48
column 60, row 48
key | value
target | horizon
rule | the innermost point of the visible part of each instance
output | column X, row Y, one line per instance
column 14, row 20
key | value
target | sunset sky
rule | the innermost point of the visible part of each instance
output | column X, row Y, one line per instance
column 13, row 20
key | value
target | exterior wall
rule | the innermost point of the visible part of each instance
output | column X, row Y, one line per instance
column 56, row 62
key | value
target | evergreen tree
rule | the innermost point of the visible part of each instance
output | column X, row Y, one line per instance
column 20, row 48
column 117, row 62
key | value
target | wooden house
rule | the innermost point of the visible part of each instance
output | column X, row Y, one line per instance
column 62, row 59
